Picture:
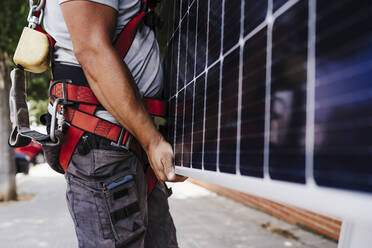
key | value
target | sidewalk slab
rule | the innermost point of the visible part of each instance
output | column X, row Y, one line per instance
column 203, row 219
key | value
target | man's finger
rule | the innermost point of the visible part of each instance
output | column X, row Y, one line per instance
column 178, row 178
column 159, row 171
column 168, row 167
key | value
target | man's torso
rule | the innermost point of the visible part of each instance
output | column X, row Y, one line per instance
column 142, row 59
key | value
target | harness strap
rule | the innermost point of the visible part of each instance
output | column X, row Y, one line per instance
column 73, row 92
column 72, row 138
column 126, row 37
column 96, row 125
column 84, row 95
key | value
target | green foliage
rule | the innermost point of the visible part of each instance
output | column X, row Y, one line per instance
column 36, row 109
column 37, row 85
column 13, row 15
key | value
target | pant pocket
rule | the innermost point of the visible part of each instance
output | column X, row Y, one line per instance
column 88, row 209
column 124, row 208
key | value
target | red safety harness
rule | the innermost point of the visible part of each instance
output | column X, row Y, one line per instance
column 82, row 105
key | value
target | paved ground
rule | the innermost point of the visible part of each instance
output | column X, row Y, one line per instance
column 203, row 219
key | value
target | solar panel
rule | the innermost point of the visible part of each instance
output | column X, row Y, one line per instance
column 274, row 94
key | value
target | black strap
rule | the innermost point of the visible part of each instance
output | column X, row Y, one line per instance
column 124, row 212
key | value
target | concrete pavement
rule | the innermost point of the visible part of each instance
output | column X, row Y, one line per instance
column 203, row 219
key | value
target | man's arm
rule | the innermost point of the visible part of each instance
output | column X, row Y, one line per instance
column 91, row 27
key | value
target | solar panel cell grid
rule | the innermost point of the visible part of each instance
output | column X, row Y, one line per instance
column 276, row 89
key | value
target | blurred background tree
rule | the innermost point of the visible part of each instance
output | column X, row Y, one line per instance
column 13, row 15
column 13, row 18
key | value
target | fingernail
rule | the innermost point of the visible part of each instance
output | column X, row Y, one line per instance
column 171, row 175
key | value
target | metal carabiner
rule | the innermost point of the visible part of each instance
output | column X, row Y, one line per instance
column 33, row 20
column 54, row 119
column 37, row 7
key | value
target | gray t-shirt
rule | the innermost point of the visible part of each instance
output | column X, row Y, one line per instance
column 143, row 57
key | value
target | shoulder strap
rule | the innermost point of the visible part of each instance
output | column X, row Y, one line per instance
column 127, row 35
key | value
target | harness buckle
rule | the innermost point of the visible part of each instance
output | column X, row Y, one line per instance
column 119, row 144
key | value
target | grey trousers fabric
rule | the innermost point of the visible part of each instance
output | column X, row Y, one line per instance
column 108, row 213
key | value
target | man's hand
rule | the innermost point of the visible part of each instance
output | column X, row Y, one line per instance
column 160, row 154
column 91, row 26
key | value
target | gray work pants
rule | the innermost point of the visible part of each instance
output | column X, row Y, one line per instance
column 122, row 216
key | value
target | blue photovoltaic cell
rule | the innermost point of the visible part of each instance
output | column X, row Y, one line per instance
column 278, row 3
column 182, row 59
column 343, row 95
column 211, row 118
column 253, row 106
column 191, row 42
column 288, row 95
column 187, row 125
column 214, row 31
column 174, row 63
column 231, row 24
column 202, row 35
column 229, row 112
column 185, row 6
column 255, row 13
column 198, row 132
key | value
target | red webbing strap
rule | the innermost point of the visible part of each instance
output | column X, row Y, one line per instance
column 155, row 106
column 74, row 93
column 52, row 42
column 83, row 94
column 71, row 140
column 127, row 35
column 93, row 124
